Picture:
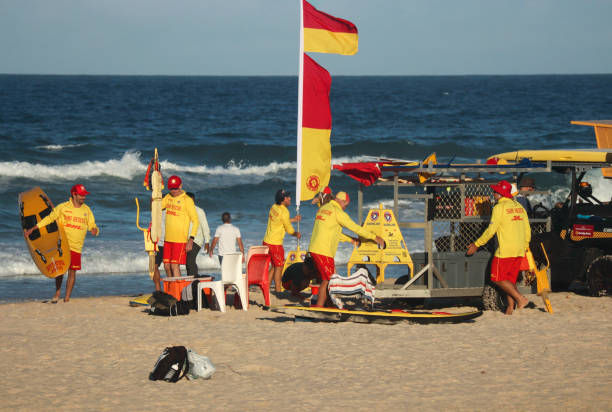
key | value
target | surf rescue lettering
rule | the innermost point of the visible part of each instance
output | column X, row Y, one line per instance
column 321, row 213
column 57, row 266
column 71, row 221
column 174, row 209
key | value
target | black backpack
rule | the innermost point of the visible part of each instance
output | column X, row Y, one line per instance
column 171, row 365
column 164, row 304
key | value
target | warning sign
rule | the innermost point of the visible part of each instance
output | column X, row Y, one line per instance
column 382, row 222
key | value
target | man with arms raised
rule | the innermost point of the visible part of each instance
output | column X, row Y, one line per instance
column 76, row 218
column 180, row 213
column 510, row 223
column 326, row 234
column 279, row 223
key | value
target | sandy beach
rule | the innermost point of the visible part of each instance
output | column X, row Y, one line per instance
column 96, row 354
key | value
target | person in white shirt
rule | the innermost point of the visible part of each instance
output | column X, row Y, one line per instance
column 202, row 238
column 226, row 236
column 159, row 257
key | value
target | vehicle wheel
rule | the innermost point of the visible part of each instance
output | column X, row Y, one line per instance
column 599, row 276
column 493, row 299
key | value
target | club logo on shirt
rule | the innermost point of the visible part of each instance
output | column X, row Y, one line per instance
column 388, row 216
column 374, row 216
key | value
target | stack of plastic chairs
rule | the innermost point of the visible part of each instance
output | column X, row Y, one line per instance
column 231, row 276
column 258, row 265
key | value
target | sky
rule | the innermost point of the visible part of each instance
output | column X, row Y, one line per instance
column 261, row 37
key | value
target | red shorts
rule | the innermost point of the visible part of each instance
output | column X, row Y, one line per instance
column 325, row 265
column 524, row 263
column 505, row 268
column 277, row 252
column 75, row 260
column 174, row 253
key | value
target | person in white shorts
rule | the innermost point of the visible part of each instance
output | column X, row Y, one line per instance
column 226, row 236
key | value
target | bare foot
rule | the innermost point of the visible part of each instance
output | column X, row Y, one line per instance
column 522, row 303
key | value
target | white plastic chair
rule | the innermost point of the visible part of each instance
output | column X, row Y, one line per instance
column 231, row 275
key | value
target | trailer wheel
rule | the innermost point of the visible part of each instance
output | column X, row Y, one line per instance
column 493, row 299
column 599, row 276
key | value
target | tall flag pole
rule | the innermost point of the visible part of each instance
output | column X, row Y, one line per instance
column 319, row 33
column 298, row 172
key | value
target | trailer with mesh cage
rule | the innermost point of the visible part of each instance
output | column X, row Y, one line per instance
column 452, row 205
column 574, row 237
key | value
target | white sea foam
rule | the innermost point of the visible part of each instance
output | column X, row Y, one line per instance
column 58, row 147
column 126, row 167
column 130, row 166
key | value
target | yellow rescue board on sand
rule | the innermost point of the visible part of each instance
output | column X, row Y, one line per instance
column 49, row 245
column 569, row 155
column 142, row 300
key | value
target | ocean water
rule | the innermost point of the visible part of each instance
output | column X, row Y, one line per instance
column 232, row 140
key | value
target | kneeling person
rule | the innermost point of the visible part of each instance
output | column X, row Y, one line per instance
column 297, row 277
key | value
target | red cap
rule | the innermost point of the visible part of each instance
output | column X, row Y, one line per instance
column 174, row 182
column 503, row 188
column 327, row 190
column 343, row 196
column 79, row 190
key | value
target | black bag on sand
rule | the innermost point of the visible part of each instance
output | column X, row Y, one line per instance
column 164, row 304
column 171, row 365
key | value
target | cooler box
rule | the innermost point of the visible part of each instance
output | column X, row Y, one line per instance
column 174, row 286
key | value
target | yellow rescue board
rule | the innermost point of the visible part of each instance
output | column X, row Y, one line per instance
column 569, row 155
column 49, row 245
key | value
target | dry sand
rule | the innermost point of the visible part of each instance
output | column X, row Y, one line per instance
column 96, row 354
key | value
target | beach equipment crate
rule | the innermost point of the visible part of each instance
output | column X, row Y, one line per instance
column 174, row 286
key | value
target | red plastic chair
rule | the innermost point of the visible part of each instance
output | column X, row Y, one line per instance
column 257, row 274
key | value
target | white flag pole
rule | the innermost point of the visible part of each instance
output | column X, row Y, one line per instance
column 298, row 171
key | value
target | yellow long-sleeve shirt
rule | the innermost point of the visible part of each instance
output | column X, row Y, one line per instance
column 278, row 224
column 327, row 230
column 180, row 212
column 511, row 224
column 75, row 220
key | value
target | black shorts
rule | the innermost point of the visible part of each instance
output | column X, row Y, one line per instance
column 159, row 257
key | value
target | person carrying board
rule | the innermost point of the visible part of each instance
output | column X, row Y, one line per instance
column 76, row 218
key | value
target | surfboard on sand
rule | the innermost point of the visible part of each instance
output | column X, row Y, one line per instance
column 374, row 316
column 141, row 300
column 49, row 245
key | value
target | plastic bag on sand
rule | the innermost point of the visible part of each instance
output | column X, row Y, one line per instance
column 199, row 366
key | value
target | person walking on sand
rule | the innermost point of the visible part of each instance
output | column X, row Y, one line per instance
column 76, row 218
column 326, row 234
column 178, row 239
column 279, row 222
column 510, row 223
column 226, row 236
column 202, row 238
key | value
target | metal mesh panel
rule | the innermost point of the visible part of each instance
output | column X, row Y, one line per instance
column 448, row 203
column 458, row 223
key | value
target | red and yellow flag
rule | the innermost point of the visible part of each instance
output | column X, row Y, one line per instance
column 324, row 33
column 316, row 129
